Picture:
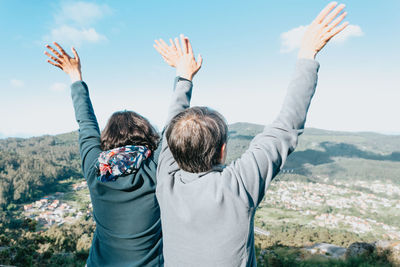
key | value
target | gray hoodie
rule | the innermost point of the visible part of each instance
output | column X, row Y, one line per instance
column 208, row 218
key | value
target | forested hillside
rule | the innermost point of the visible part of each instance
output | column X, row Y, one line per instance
column 332, row 155
column 336, row 188
column 30, row 168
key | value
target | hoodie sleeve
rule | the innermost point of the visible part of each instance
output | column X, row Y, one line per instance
column 89, row 132
column 180, row 101
column 269, row 150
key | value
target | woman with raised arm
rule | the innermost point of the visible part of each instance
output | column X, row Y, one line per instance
column 119, row 165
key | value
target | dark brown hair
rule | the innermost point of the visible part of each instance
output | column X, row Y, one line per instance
column 195, row 137
column 128, row 128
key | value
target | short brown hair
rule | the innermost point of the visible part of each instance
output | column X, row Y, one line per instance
column 195, row 137
column 128, row 128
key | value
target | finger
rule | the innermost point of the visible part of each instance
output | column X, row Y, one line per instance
column 75, row 53
column 164, row 44
column 336, row 31
column 178, row 47
column 333, row 14
column 166, row 60
column 336, row 22
column 190, row 49
column 325, row 12
column 160, row 47
column 184, row 44
column 199, row 61
column 54, row 64
column 55, row 52
column 172, row 44
column 159, row 50
column 61, row 49
column 51, row 57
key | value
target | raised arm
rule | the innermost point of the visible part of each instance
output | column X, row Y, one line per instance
column 268, row 151
column 181, row 57
column 89, row 133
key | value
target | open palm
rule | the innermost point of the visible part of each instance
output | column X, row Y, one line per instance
column 179, row 56
column 60, row 59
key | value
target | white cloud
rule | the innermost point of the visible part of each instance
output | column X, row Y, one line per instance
column 74, row 23
column 349, row 31
column 73, row 36
column 291, row 40
column 58, row 87
column 16, row 83
column 81, row 13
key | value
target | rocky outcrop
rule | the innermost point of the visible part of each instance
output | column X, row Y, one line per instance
column 383, row 248
column 359, row 249
column 327, row 250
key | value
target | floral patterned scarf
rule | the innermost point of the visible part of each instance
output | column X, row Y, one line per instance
column 120, row 161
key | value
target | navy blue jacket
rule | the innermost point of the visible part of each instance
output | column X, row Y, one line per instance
column 126, row 211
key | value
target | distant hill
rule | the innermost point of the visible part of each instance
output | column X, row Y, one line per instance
column 337, row 188
column 331, row 154
column 32, row 167
column 324, row 194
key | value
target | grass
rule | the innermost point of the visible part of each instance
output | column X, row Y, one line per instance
column 282, row 256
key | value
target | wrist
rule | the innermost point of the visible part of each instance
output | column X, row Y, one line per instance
column 307, row 54
column 186, row 76
column 75, row 76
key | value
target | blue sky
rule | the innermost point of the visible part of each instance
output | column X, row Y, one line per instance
column 249, row 50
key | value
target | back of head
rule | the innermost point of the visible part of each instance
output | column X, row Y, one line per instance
column 128, row 128
column 195, row 138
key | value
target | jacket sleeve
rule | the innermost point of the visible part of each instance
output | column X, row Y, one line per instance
column 268, row 151
column 180, row 97
column 89, row 132
column 180, row 101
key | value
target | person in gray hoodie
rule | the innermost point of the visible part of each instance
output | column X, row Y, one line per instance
column 207, row 208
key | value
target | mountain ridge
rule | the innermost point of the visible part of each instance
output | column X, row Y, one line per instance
column 336, row 187
column 309, row 130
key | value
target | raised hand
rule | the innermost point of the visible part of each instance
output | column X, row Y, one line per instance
column 60, row 59
column 179, row 56
column 322, row 29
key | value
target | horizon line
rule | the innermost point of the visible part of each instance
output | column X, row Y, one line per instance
column 31, row 135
